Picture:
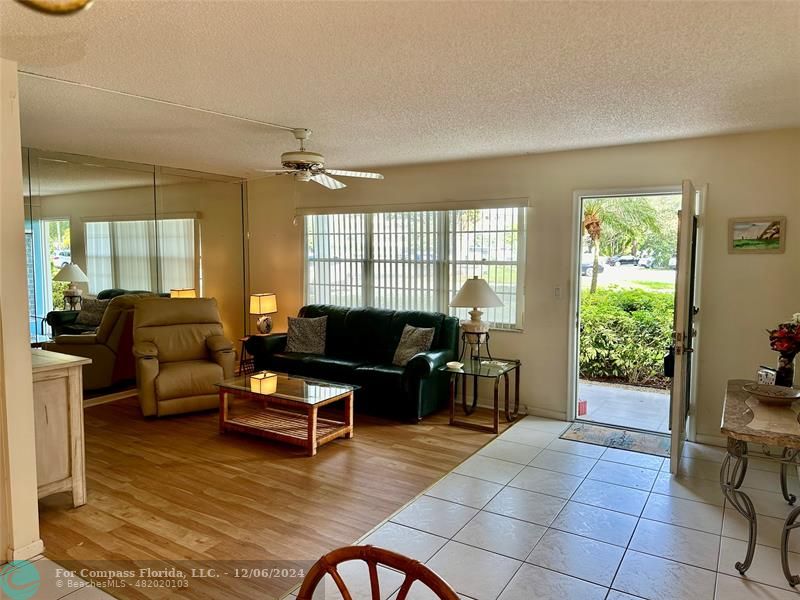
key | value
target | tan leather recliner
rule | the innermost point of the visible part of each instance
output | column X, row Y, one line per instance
column 110, row 348
column 181, row 353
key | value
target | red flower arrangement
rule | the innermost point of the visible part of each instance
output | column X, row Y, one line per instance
column 786, row 338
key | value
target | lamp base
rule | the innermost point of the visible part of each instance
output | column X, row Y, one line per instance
column 474, row 324
column 264, row 324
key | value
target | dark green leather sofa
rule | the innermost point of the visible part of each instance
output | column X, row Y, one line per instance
column 359, row 347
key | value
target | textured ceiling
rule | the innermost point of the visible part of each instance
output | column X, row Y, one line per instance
column 399, row 82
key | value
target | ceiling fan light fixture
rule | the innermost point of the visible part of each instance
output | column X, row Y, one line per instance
column 310, row 166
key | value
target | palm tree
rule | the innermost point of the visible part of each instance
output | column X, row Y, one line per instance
column 629, row 218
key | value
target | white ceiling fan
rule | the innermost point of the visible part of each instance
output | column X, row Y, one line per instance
column 310, row 166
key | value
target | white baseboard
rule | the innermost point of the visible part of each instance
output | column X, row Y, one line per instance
column 525, row 410
column 27, row 552
column 547, row 413
column 711, row 439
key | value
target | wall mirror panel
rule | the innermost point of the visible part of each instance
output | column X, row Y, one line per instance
column 134, row 227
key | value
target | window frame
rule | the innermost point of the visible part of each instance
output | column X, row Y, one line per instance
column 446, row 243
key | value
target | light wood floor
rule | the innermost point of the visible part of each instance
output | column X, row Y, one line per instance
column 174, row 491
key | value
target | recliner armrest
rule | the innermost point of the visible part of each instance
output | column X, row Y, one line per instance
column 266, row 344
column 76, row 339
column 219, row 343
column 427, row 363
column 145, row 350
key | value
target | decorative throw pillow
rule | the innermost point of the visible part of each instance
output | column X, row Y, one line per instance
column 413, row 341
column 307, row 335
column 92, row 311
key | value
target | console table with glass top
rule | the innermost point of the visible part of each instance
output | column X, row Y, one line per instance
column 497, row 370
column 746, row 421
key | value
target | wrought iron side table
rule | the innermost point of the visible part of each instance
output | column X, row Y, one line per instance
column 245, row 360
column 745, row 420
column 497, row 370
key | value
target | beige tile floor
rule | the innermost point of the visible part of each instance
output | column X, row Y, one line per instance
column 535, row 517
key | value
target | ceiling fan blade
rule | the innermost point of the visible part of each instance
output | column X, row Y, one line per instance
column 328, row 182
column 364, row 174
column 275, row 170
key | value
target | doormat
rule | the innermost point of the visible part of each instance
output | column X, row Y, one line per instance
column 635, row 441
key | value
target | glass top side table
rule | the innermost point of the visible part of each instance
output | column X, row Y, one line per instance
column 497, row 369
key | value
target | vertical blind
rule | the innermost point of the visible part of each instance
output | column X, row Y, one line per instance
column 122, row 254
column 416, row 260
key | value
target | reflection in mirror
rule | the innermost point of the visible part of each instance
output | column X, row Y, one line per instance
column 129, row 227
column 200, row 240
column 98, row 217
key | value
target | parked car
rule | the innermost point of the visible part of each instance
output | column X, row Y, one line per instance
column 625, row 259
column 673, row 262
column 587, row 267
column 646, row 262
column 62, row 258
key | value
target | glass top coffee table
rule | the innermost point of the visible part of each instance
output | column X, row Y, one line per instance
column 284, row 408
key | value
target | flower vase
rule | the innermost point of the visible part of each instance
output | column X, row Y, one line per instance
column 785, row 373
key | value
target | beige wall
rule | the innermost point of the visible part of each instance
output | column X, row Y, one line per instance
column 19, row 519
column 217, row 206
column 748, row 175
column 275, row 246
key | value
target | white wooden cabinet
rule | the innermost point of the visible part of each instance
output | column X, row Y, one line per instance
column 58, row 414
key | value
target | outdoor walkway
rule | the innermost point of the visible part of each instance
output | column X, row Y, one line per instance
column 626, row 406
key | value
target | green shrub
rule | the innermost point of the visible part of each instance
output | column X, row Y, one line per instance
column 624, row 335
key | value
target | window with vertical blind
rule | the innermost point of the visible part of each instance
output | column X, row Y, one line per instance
column 122, row 254
column 417, row 260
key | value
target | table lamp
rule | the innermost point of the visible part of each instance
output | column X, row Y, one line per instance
column 183, row 293
column 264, row 382
column 263, row 305
column 473, row 294
column 73, row 274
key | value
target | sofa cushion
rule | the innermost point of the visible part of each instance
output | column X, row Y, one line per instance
column 416, row 318
column 370, row 334
column 286, row 362
column 337, row 338
column 330, row 368
column 190, row 378
column 377, row 377
column 306, row 335
column 413, row 341
column 92, row 311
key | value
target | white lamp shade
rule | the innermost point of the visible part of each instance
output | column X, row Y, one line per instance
column 264, row 383
column 72, row 273
column 263, row 304
column 475, row 293
column 183, row 293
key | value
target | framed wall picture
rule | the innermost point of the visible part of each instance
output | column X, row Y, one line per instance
column 757, row 235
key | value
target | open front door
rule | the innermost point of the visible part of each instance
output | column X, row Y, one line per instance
column 683, row 330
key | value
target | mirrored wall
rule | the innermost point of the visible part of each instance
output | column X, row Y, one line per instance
column 135, row 227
